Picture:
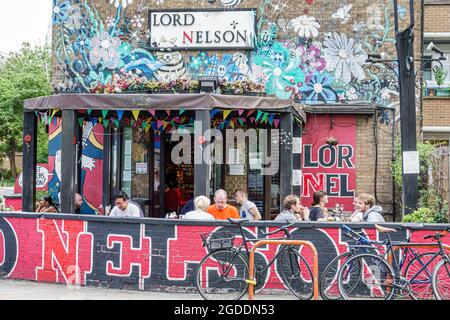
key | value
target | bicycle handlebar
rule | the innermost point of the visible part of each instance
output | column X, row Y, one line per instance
column 283, row 228
column 438, row 234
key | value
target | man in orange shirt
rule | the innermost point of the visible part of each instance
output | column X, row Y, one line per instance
column 220, row 209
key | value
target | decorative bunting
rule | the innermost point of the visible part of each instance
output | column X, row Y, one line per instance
column 105, row 123
column 160, row 123
column 250, row 112
column 276, row 122
column 135, row 114
column 240, row 112
column 241, row 121
column 252, row 120
column 272, row 115
column 258, row 116
column 265, row 115
column 116, row 122
column 80, row 121
column 182, row 111
column 232, row 124
column 226, row 113
column 152, row 111
column 214, row 112
column 119, row 114
column 100, row 120
column 104, row 113
column 168, row 112
column 89, row 111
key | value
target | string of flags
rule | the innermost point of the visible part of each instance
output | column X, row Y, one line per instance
column 171, row 119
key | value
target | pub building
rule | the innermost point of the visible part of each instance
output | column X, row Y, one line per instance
column 322, row 128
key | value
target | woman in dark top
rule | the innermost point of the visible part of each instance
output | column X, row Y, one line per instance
column 317, row 212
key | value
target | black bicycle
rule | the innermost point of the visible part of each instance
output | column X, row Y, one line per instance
column 223, row 273
column 372, row 275
column 410, row 262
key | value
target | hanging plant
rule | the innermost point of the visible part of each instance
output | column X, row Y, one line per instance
column 332, row 141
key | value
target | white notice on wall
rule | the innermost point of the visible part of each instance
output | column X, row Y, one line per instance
column 141, row 168
column 128, row 147
column 296, row 177
column 127, row 176
column 297, row 145
column 237, row 170
column 127, row 163
column 411, row 162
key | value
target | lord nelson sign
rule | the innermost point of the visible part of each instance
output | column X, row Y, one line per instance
column 196, row 30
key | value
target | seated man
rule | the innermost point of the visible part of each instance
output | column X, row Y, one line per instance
column 293, row 210
column 123, row 207
column 78, row 203
column 220, row 209
column 248, row 209
column 367, row 210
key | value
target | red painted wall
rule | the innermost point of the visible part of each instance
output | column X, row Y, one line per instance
column 149, row 254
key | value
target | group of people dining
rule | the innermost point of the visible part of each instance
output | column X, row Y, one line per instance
column 200, row 208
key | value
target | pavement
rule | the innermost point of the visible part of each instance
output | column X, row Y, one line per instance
column 28, row 290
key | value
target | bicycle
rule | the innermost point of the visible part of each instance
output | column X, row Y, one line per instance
column 223, row 272
column 410, row 258
column 383, row 279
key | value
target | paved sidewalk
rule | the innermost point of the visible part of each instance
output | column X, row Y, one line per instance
column 27, row 290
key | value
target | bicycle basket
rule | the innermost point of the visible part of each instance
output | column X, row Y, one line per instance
column 218, row 240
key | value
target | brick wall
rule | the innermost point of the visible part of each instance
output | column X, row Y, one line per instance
column 436, row 111
column 144, row 254
column 437, row 17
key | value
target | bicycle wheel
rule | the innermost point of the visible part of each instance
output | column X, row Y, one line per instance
column 222, row 275
column 328, row 282
column 366, row 276
column 421, row 287
column 296, row 274
column 441, row 280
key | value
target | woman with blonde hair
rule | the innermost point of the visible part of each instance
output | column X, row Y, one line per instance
column 201, row 204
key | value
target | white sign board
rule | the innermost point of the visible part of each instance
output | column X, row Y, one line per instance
column 196, row 30
column 411, row 162
column 297, row 145
column 41, row 177
column 141, row 168
column 297, row 178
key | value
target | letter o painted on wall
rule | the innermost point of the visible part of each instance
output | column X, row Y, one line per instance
column 8, row 248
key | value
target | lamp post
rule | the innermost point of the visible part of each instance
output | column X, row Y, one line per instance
column 407, row 85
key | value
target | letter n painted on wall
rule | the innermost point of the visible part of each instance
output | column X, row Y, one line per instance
column 67, row 251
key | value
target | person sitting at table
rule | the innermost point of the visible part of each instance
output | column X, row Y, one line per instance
column 201, row 204
column 189, row 206
column 353, row 217
column 293, row 210
column 220, row 209
column 318, row 210
column 248, row 209
column 368, row 211
column 46, row 205
column 123, row 207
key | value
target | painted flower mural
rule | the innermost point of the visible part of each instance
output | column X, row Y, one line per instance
column 60, row 11
column 281, row 69
column 123, row 3
column 344, row 57
column 105, row 49
column 311, row 60
column 305, row 27
column 319, row 89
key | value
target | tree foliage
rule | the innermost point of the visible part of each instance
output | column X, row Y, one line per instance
column 23, row 75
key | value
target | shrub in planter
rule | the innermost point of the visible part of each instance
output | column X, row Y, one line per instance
column 423, row 215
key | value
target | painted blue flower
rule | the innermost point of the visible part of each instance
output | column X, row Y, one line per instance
column 60, row 11
column 318, row 89
column 225, row 69
column 281, row 69
column 81, row 44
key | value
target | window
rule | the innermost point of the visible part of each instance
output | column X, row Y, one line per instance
column 428, row 66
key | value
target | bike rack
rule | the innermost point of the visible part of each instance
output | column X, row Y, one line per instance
column 251, row 281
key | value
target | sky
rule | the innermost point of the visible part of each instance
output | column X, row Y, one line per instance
column 24, row 20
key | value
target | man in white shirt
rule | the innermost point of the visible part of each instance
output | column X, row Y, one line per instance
column 123, row 207
column 248, row 209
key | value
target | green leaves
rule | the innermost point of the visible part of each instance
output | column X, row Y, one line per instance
column 23, row 75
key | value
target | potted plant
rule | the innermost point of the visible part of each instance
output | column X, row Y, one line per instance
column 440, row 75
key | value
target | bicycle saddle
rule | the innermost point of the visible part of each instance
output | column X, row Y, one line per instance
column 384, row 230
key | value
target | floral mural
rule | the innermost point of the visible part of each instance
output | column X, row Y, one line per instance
column 294, row 58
